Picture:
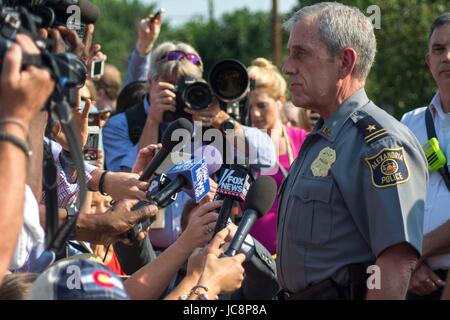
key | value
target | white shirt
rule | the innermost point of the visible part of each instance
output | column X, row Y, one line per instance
column 31, row 234
column 437, row 202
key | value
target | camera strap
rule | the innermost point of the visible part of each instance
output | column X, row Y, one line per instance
column 51, row 195
column 431, row 133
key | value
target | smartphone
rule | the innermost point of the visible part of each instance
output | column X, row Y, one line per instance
column 158, row 13
column 97, row 68
column 90, row 150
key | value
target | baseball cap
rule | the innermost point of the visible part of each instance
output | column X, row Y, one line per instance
column 78, row 280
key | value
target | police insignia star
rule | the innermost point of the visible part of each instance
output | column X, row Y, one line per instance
column 388, row 167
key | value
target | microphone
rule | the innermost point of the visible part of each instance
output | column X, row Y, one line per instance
column 157, row 184
column 89, row 12
column 191, row 176
column 167, row 145
column 233, row 185
column 212, row 156
column 259, row 200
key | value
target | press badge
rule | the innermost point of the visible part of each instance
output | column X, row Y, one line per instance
column 388, row 167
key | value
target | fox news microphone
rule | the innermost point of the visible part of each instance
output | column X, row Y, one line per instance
column 259, row 200
column 167, row 146
column 233, row 186
column 192, row 177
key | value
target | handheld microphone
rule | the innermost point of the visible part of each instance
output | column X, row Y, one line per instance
column 191, row 176
column 167, row 145
column 259, row 200
column 233, row 186
column 156, row 185
column 89, row 12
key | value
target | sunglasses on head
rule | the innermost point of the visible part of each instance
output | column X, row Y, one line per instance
column 178, row 55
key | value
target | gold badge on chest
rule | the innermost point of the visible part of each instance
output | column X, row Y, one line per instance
column 323, row 162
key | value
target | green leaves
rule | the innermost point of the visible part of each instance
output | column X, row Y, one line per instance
column 399, row 80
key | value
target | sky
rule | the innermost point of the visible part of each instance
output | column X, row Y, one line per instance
column 180, row 11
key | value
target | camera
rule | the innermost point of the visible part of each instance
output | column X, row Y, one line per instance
column 228, row 81
column 66, row 69
column 191, row 93
column 74, row 14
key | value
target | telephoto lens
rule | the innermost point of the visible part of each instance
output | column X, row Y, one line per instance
column 229, row 80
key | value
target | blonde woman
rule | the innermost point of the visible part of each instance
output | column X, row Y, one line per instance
column 266, row 102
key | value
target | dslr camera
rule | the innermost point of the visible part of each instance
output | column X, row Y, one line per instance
column 228, row 81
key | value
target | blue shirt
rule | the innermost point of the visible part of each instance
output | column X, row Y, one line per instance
column 138, row 67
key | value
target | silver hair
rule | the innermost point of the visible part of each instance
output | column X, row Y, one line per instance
column 163, row 69
column 341, row 27
column 439, row 22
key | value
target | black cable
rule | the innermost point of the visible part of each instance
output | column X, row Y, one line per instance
column 63, row 112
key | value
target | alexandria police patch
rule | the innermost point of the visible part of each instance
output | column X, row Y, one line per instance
column 388, row 167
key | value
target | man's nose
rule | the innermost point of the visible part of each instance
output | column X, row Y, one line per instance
column 447, row 55
column 287, row 67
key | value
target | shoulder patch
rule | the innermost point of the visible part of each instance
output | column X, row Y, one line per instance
column 370, row 129
column 388, row 167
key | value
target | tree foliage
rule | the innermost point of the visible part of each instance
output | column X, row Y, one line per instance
column 399, row 80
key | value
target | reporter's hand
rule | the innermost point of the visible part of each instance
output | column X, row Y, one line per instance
column 148, row 31
column 221, row 275
column 162, row 98
column 124, row 185
column 202, row 221
column 145, row 155
column 23, row 92
column 424, row 281
column 119, row 219
column 84, row 50
column 81, row 120
column 212, row 192
column 196, row 263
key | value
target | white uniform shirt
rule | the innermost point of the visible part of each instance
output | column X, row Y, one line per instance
column 437, row 203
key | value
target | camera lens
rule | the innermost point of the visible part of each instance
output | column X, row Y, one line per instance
column 229, row 80
column 198, row 96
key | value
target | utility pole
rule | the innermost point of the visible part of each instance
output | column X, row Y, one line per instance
column 276, row 34
column 211, row 10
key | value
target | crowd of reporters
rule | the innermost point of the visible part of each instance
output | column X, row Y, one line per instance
column 129, row 222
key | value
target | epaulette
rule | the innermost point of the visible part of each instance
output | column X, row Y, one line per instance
column 370, row 128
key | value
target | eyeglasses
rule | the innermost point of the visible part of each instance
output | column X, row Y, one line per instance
column 178, row 55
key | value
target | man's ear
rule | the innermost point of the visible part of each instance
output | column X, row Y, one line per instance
column 348, row 62
column 427, row 59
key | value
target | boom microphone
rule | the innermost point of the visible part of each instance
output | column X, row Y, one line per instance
column 259, row 200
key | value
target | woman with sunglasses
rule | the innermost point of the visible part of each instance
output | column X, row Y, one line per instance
column 266, row 102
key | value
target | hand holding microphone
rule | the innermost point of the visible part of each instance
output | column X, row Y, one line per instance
column 191, row 176
column 259, row 200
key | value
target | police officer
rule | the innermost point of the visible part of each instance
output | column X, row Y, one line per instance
column 352, row 207
column 432, row 124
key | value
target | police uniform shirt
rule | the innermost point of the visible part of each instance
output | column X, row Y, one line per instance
column 356, row 188
column 437, row 201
